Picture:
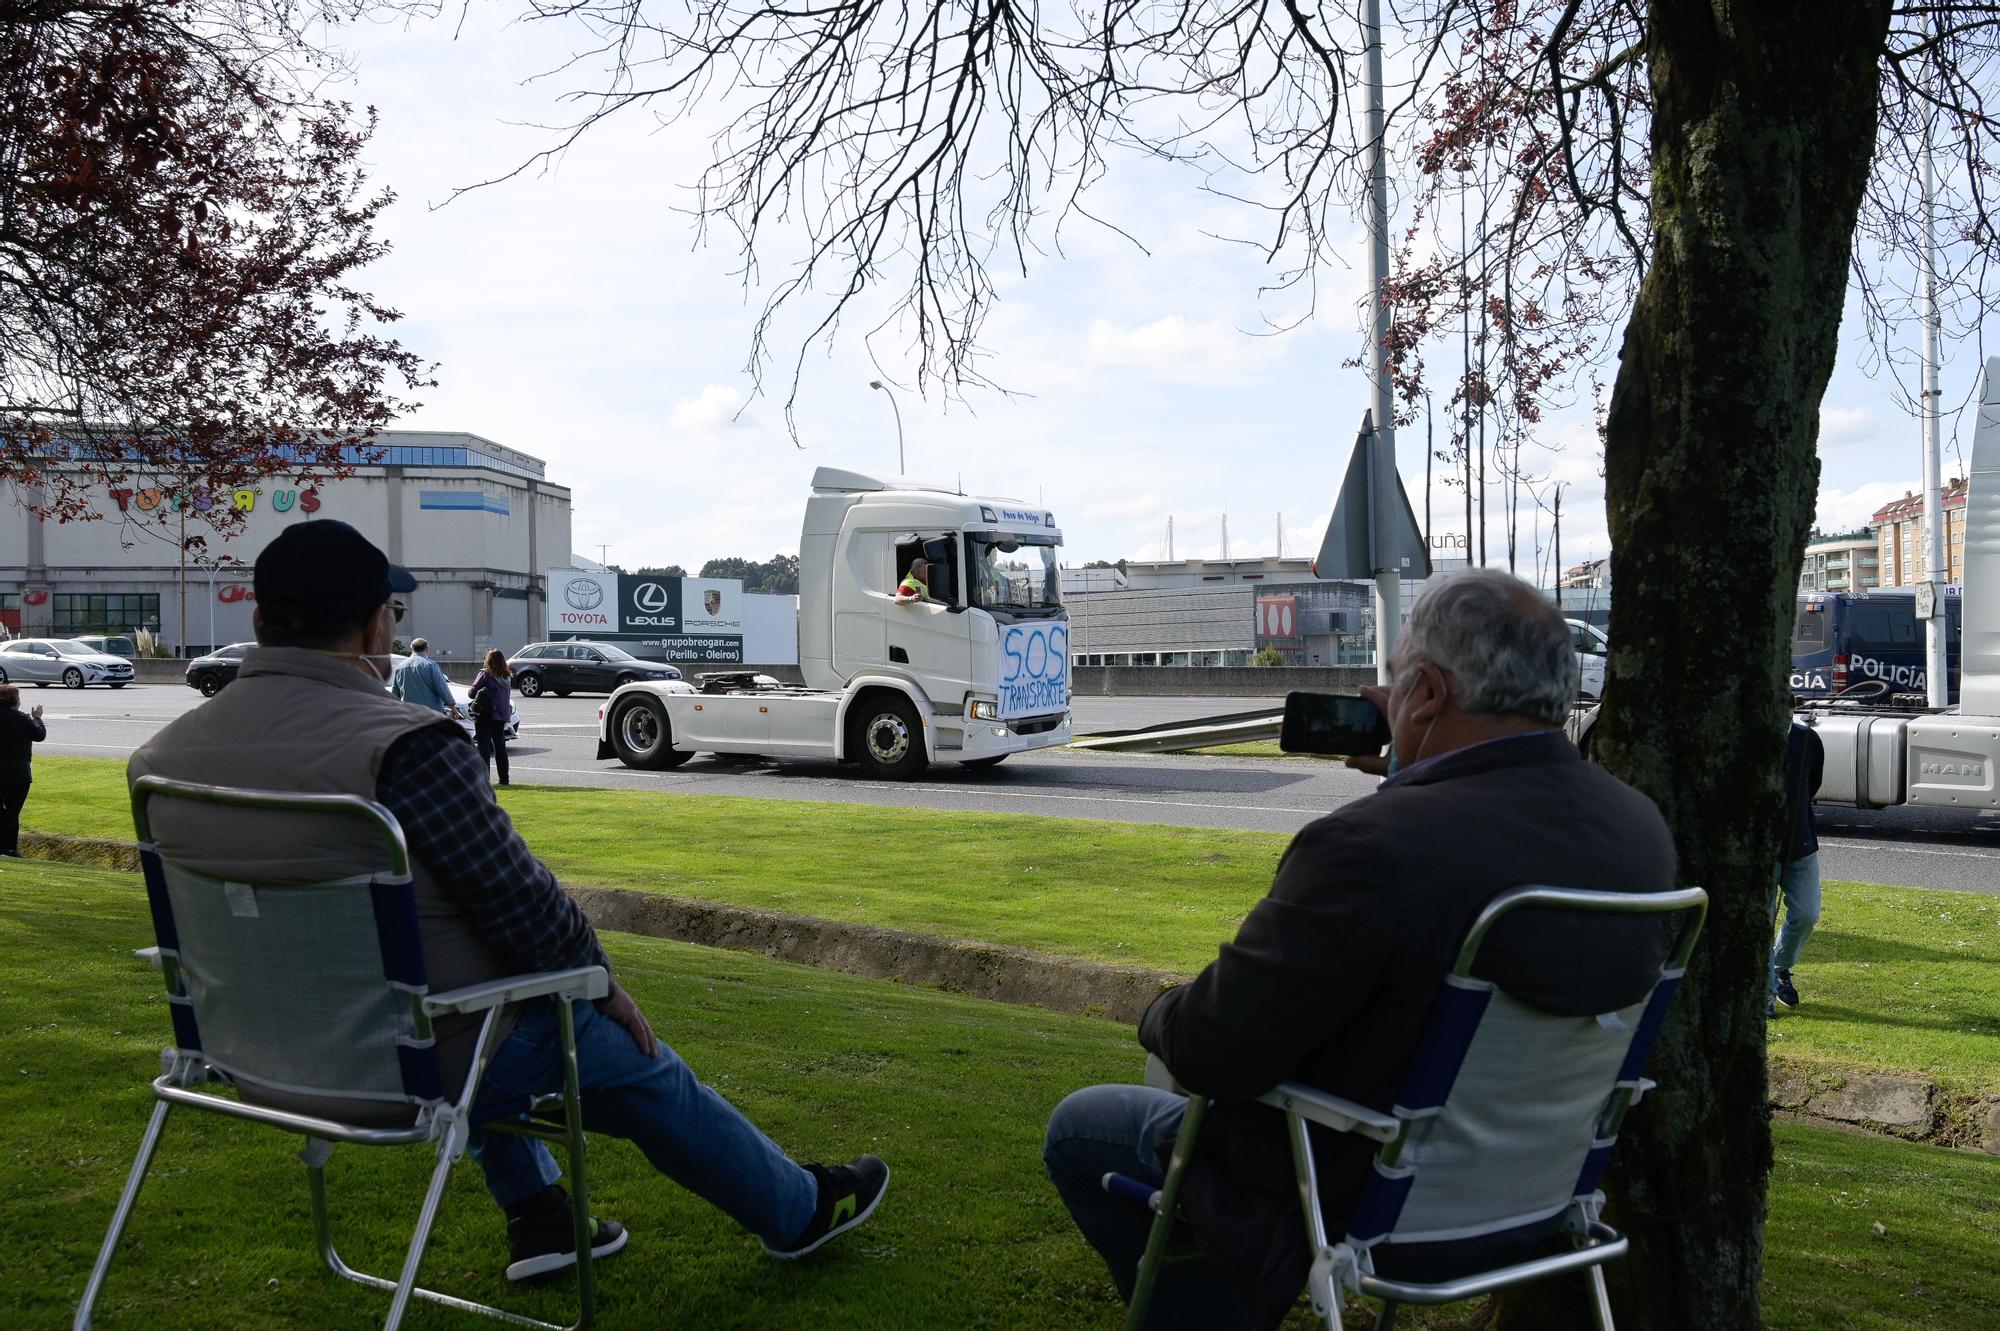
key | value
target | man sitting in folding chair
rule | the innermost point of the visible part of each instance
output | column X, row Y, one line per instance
column 1331, row 977
column 309, row 712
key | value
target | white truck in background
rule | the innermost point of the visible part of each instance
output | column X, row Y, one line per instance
column 978, row 673
column 1885, row 749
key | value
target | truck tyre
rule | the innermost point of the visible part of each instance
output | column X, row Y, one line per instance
column 642, row 737
column 980, row 764
column 889, row 739
column 530, row 685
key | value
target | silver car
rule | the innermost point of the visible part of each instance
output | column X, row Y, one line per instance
column 461, row 696
column 46, row 661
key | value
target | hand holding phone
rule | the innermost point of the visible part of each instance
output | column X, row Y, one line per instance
column 1333, row 723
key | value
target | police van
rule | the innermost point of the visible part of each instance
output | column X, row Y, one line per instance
column 1841, row 639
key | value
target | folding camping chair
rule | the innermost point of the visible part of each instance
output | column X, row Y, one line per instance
column 1501, row 1132
column 318, row 989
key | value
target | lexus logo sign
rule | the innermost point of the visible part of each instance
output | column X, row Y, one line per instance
column 583, row 594
column 649, row 597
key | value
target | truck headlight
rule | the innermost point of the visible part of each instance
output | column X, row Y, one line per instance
column 985, row 711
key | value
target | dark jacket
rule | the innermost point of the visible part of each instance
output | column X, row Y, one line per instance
column 19, row 732
column 1331, row 977
column 502, row 690
column 1805, row 764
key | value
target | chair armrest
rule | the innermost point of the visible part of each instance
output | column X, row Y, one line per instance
column 1330, row 1111
column 1161, row 1077
column 589, row 982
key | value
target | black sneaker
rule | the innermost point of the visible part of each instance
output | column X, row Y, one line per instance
column 542, row 1241
column 1784, row 991
column 848, row 1195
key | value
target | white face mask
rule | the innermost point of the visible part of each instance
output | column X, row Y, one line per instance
column 367, row 661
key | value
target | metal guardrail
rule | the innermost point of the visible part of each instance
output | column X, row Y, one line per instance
column 1206, row 732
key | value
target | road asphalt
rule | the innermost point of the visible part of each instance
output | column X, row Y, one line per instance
column 558, row 744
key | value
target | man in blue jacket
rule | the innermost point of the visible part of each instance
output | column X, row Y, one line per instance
column 421, row 680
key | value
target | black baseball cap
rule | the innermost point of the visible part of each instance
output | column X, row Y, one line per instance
column 324, row 576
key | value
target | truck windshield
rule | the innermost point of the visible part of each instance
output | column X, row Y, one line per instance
column 1013, row 573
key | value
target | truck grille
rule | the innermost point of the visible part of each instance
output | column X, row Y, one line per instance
column 1035, row 725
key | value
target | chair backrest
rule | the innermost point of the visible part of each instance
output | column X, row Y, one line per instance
column 306, row 987
column 1510, row 1112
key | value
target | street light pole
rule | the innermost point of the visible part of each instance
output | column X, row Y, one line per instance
column 901, row 468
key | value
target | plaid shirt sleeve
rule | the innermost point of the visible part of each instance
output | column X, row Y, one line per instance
column 435, row 784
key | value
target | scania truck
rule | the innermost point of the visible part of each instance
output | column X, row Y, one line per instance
column 971, row 671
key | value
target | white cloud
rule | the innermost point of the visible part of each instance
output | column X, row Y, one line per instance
column 1173, row 348
column 1850, row 510
column 714, row 408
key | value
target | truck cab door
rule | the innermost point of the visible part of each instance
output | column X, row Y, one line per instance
column 931, row 641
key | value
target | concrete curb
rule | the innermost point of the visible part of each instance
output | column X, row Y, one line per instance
column 1888, row 1104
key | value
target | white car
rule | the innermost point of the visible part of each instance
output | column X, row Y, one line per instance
column 1592, row 647
column 462, row 696
column 46, row 661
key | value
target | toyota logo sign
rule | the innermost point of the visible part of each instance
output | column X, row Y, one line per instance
column 649, row 597
column 583, row 594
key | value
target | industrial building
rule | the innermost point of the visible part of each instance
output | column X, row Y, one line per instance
column 474, row 521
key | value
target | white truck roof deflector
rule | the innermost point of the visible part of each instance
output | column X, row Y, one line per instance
column 1979, row 661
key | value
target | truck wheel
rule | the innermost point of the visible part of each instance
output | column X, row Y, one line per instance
column 978, row 764
column 889, row 739
column 641, row 736
column 530, row 686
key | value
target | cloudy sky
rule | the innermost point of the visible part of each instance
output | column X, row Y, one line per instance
column 575, row 317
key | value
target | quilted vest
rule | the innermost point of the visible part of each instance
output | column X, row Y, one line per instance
column 300, row 720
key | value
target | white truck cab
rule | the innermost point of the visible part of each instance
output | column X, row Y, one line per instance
column 976, row 670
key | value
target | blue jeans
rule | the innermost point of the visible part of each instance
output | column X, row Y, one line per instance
column 1130, row 1130
column 691, row 1134
column 1799, row 884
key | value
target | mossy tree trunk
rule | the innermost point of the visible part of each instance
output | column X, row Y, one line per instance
column 1764, row 123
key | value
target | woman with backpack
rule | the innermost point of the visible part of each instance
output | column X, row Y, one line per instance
column 492, row 709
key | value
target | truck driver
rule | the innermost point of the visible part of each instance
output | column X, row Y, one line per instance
column 916, row 584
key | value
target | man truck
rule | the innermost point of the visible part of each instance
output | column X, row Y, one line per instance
column 975, row 669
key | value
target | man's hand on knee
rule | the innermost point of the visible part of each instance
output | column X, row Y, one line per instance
column 618, row 1006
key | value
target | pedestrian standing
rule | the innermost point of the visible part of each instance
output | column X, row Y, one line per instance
column 1798, row 863
column 492, row 709
column 19, row 732
column 421, row 680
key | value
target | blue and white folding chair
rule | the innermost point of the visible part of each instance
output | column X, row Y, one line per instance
column 284, row 990
column 1499, row 1137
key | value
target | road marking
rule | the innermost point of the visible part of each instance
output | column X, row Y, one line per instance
column 1898, row 848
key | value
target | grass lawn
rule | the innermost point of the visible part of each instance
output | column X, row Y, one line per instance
column 953, row 1092
column 1895, row 978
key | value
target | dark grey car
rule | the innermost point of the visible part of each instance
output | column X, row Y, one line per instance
column 563, row 668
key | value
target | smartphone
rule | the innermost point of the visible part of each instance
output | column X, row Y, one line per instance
column 1332, row 723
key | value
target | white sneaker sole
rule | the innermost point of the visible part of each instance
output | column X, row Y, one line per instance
column 529, row 1268
column 836, row 1231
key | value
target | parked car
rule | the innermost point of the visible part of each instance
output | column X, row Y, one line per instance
column 207, row 674
column 461, row 695
column 112, row 644
column 46, row 661
column 563, row 668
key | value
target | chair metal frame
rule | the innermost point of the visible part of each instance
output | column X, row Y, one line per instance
column 447, row 1126
column 1347, row 1265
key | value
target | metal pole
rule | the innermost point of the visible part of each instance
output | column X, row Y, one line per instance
column 1388, row 581
column 901, row 468
column 212, row 567
column 1937, row 684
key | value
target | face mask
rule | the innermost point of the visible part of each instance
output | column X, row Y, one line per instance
column 1396, row 757
column 367, row 660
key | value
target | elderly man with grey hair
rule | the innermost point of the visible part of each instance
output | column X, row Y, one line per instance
column 1330, row 978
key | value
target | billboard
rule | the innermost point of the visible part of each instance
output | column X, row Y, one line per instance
column 683, row 620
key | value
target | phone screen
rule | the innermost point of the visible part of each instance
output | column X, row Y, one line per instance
column 1335, row 723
